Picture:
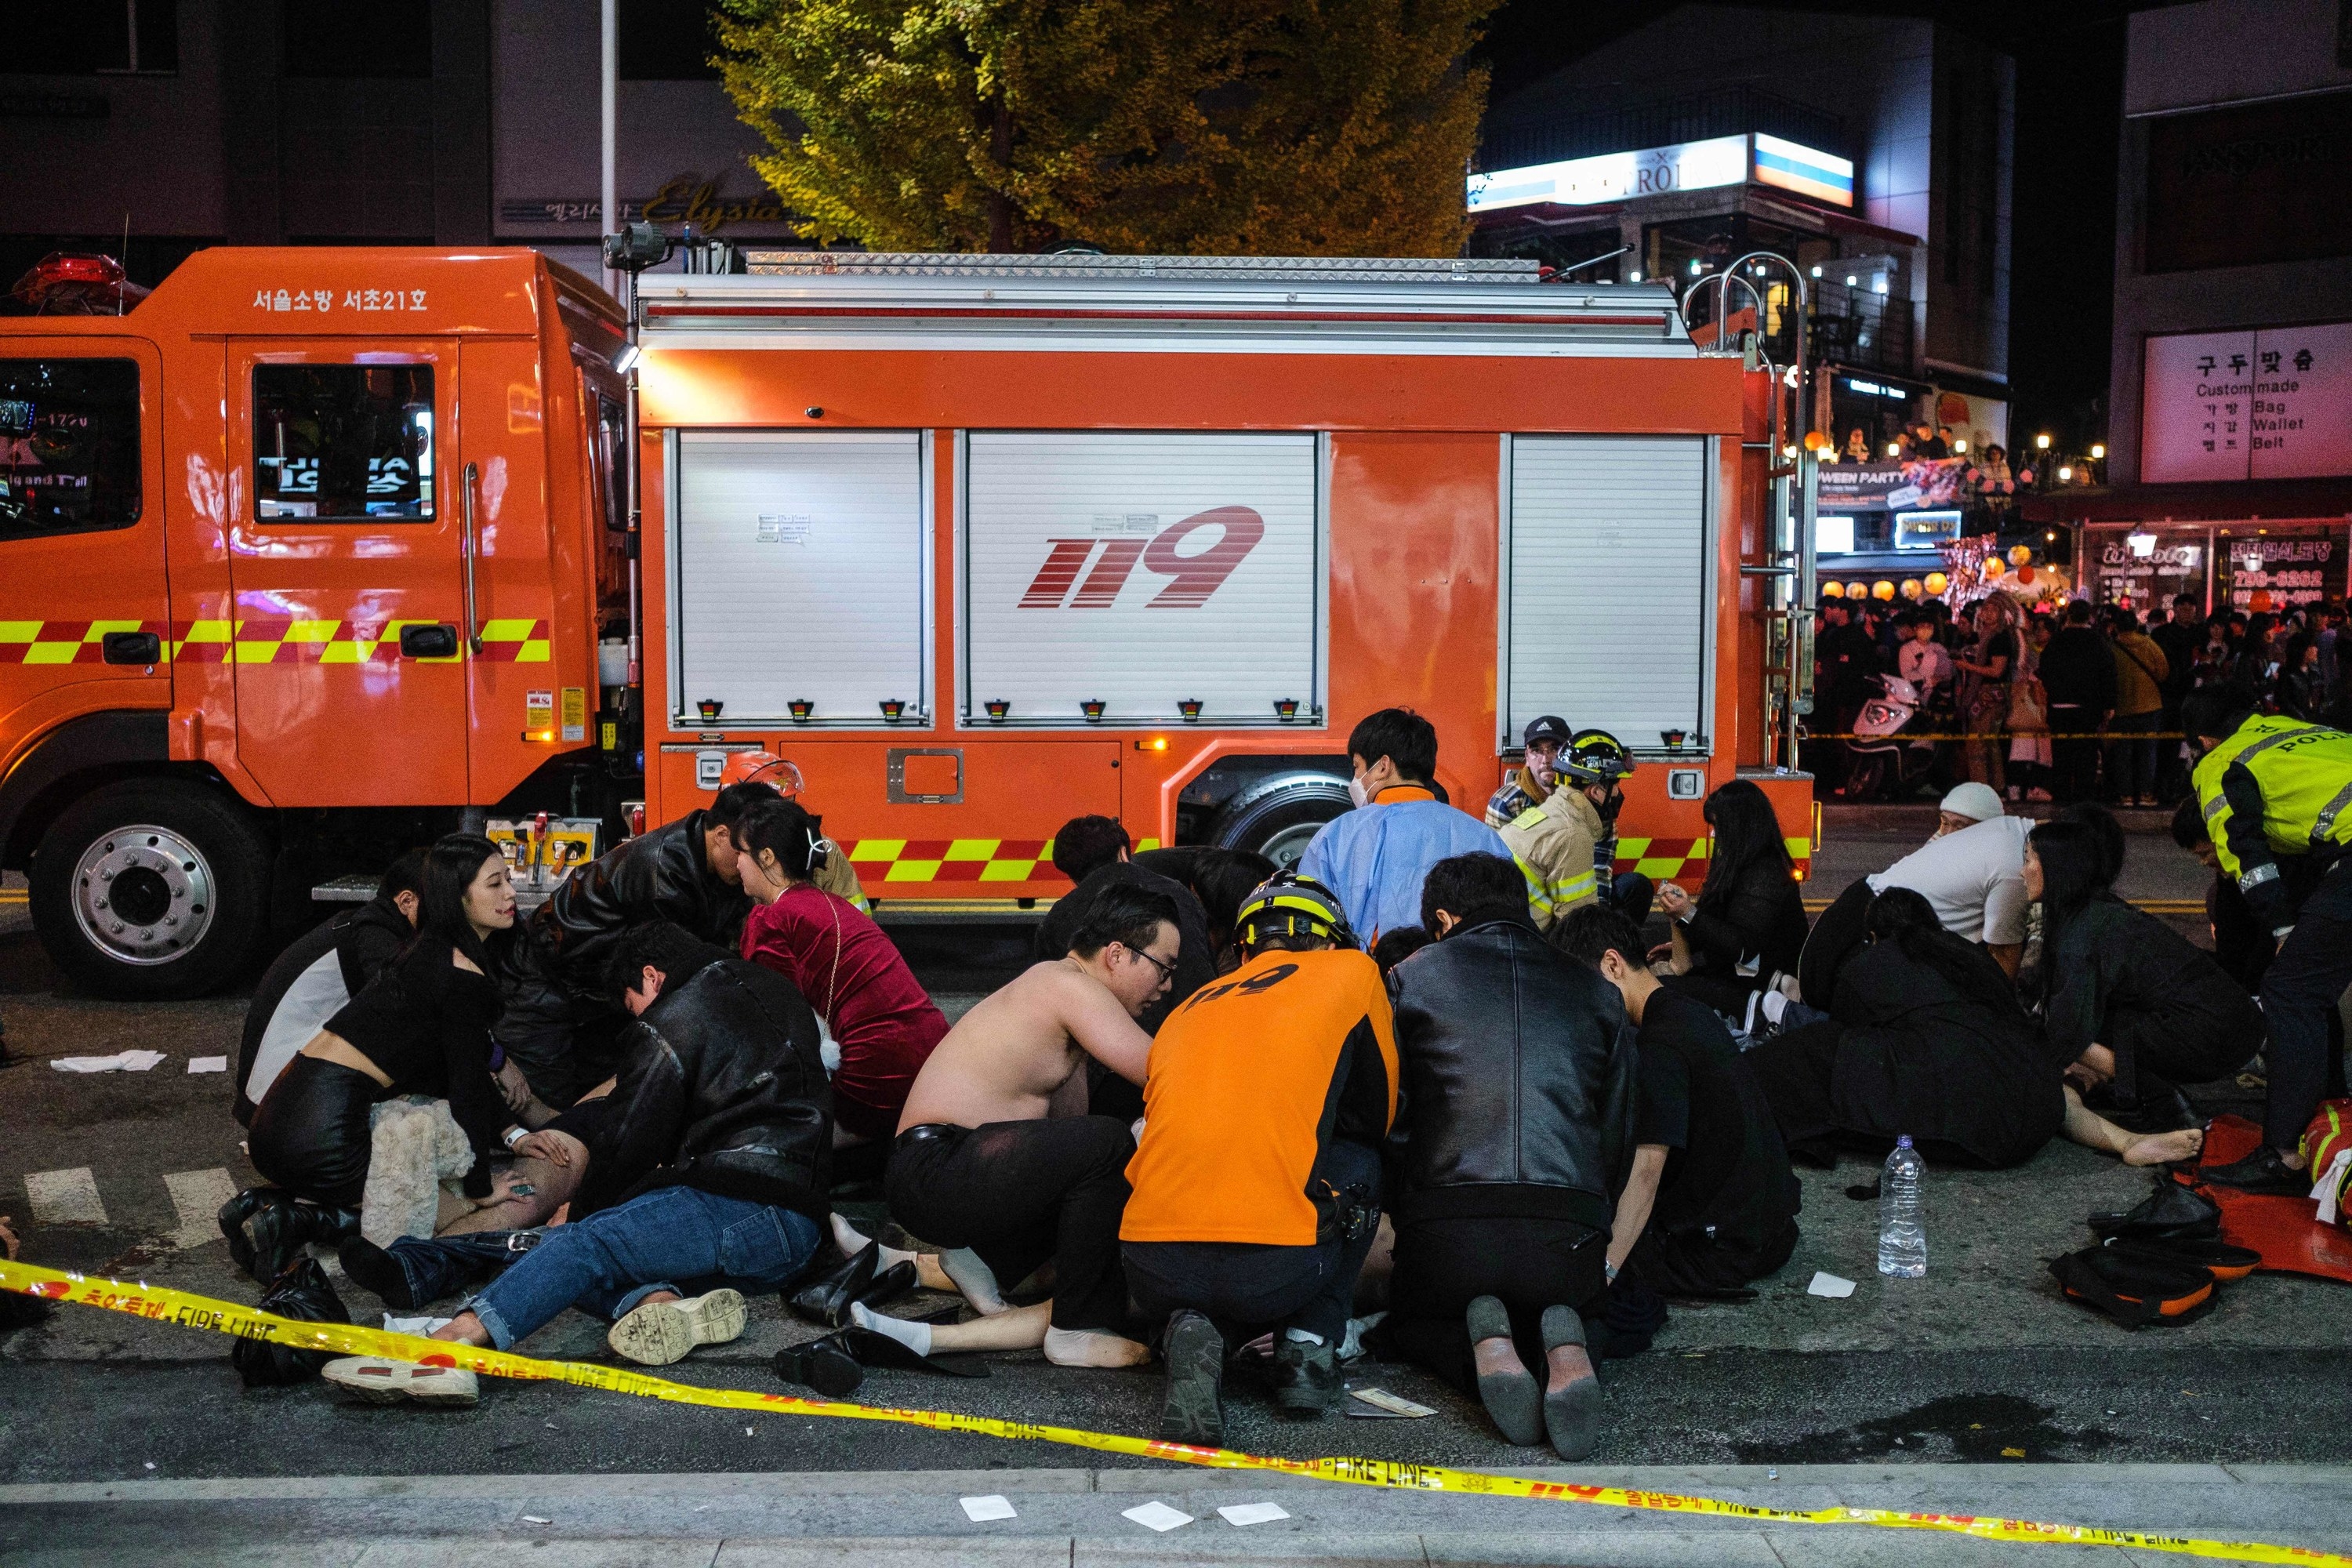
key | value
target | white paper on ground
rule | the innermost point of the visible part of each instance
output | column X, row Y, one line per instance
column 1828, row 1284
column 1156, row 1515
column 981, row 1509
column 1253, row 1512
column 392, row 1325
column 1395, row 1405
column 140, row 1062
column 208, row 1064
column 89, row 1064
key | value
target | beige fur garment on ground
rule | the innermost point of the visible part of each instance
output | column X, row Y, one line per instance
column 417, row 1145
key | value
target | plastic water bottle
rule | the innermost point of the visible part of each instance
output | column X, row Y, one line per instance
column 1901, row 1237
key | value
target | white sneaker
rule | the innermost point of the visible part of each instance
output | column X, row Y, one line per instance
column 660, row 1332
column 381, row 1382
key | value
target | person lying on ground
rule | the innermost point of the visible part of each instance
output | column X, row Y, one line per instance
column 1093, row 852
column 881, row 1020
column 1746, row 930
column 1711, row 1202
column 322, row 970
column 1519, row 1072
column 1927, row 1039
column 708, row 1179
column 1221, row 880
column 1256, row 1179
column 558, row 1025
column 994, row 1156
column 421, row 1026
column 1373, row 858
column 1970, row 872
column 2130, row 1006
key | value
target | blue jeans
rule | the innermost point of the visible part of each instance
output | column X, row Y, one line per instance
column 672, row 1238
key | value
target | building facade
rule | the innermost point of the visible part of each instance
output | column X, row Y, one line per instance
column 2229, row 467
column 1877, row 154
column 182, row 124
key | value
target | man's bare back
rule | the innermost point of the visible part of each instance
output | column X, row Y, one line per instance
column 1004, row 1060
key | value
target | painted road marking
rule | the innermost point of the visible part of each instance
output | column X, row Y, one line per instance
column 198, row 1196
column 65, row 1197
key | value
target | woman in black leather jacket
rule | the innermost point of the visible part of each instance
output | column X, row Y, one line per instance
column 1747, row 924
column 1516, row 1125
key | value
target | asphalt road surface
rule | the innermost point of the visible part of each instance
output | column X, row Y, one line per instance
column 1979, row 1363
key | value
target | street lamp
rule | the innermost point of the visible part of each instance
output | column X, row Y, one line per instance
column 2043, row 441
column 2098, row 453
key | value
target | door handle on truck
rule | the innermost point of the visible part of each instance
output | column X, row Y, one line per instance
column 428, row 642
column 466, row 552
column 131, row 647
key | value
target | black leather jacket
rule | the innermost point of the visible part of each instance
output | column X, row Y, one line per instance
column 1519, row 1069
column 555, row 974
column 723, row 1089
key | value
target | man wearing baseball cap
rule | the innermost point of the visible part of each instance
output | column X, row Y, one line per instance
column 1530, row 784
column 1972, row 869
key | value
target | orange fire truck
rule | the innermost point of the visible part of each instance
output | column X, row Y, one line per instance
column 315, row 552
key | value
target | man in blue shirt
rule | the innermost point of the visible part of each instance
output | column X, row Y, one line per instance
column 1375, row 857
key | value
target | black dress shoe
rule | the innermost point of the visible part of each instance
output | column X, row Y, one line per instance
column 872, row 1349
column 887, row 1285
column 826, row 1299
column 2263, row 1171
column 821, row 1366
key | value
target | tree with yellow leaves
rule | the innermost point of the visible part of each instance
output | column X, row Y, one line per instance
column 1241, row 127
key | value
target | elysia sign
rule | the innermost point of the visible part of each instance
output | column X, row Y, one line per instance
column 689, row 200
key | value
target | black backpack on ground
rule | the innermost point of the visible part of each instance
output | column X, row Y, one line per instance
column 2135, row 1290
column 302, row 1292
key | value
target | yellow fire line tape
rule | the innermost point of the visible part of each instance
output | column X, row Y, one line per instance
column 144, row 1300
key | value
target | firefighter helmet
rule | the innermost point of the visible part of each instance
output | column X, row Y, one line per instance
column 1593, row 757
column 1287, row 904
column 762, row 767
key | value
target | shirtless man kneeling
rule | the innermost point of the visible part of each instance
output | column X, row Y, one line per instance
column 982, row 1163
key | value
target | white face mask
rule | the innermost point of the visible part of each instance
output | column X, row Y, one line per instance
column 1356, row 791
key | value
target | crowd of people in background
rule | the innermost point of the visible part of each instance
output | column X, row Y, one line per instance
column 2078, row 702
column 1438, row 1080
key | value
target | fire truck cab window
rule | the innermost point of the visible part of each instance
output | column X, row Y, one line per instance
column 350, row 442
column 69, row 445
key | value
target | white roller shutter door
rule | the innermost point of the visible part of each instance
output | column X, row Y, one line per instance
column 1611, row 600
column 798, row 573
column 1142, row 571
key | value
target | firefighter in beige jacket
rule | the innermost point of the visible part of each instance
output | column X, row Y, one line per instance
column 1554, row 844
column 1565, row 842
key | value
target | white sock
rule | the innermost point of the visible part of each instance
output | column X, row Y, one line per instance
column 851, row 1242
column 916, row 1337
column 1302, row 1337
column 1092, row 1347
column 974, row 1279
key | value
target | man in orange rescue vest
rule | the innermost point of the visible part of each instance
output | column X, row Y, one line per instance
column 1257, row 1181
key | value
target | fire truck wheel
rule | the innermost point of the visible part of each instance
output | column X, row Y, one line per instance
column 150, row 888
column 1280, row 823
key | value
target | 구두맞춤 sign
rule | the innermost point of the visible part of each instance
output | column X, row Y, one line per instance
column 2274, row 404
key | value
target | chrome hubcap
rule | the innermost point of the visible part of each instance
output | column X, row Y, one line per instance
column 144, row 895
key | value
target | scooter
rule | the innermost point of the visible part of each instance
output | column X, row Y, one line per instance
column 1881, row 761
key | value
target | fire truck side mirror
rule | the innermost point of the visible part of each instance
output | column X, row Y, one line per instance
column 428, row 642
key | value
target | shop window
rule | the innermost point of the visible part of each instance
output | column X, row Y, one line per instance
column 101, row 37
column 667, row 40
column 347, row 442
column 69, row 445
column 351, row 40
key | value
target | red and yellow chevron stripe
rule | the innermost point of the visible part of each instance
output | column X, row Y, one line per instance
column 258, row 641
column 1663, row 859
column 930, row 860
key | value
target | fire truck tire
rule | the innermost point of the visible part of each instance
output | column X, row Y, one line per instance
column 1281, row 822
column 150, row 888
